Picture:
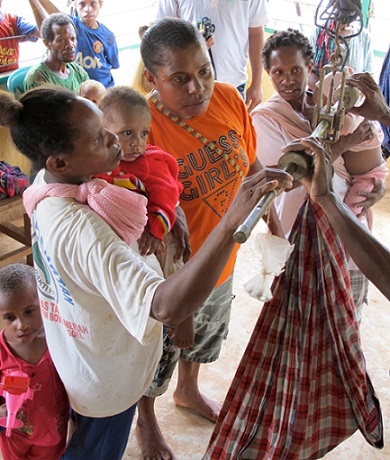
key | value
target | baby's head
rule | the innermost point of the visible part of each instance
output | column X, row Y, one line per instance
column 92, row 90
column 126, row 113
column 19, row 304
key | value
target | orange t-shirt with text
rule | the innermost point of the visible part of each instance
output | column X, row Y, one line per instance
column 209, row 180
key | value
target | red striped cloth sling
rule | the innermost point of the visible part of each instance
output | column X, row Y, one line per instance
column 301, row 387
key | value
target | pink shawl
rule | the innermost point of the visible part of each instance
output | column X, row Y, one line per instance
column 123, row 210
column 281, row 111
column 278, row 109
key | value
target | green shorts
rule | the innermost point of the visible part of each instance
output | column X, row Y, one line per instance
column 211, row 322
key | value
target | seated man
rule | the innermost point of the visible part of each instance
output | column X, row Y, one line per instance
column 57, row 68
column 13, row 30
column 97, row 49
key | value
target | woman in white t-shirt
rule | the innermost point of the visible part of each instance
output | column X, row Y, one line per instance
column 102, row 306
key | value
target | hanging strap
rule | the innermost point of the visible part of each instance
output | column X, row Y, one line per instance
column 211, row 145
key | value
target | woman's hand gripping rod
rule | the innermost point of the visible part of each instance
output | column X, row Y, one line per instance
column 298, row 164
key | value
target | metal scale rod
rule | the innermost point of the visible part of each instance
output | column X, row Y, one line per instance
column 295, row 163
column 328, row 120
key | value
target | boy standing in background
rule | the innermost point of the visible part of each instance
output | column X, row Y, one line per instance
column 97, row 50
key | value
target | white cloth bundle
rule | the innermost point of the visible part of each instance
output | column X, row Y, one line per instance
column 273, row 254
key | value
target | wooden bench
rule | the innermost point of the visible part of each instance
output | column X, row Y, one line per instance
column 11, row 210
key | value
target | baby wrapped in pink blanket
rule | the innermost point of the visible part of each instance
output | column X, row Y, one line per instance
column 363, row 163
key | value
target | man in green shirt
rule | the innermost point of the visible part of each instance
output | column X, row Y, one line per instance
column 57, row 68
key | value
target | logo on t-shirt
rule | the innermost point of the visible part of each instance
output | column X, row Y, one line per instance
column 50, row 284
column 212, row 174
column 98, row 47
column 88, row 62
column 220, row 200
column 52, row 289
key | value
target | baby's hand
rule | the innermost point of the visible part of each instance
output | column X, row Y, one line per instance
column 370, row 198
column 362, row 133
column 183, row 334
column 149, row 244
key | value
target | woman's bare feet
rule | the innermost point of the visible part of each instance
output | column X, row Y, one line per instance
column 187, row 392
column 197, row 403
column 149, row 436
column 152, row 442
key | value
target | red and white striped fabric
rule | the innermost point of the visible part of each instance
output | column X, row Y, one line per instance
column 301, row 387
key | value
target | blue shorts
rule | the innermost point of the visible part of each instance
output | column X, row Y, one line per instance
column 241, row 90
column 99, row 438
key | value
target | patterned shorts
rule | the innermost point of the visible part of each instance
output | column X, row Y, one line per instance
column 211, row 323
column 166, row 366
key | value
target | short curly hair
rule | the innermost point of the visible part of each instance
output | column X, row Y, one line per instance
column 91, row 84
column 122, row 96
column 58, row 19
column 13, row 277
column 165, row 35
column 289, row 37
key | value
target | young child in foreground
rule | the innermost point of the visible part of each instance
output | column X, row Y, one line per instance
column 23, row 347
column 92, row 90
column 148, row 170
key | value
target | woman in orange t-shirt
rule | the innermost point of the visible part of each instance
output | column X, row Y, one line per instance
column 205, row 125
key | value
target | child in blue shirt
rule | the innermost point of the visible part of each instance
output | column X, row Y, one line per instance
column 97, row 50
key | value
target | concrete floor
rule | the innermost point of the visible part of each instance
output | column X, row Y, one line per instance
column 188, row 434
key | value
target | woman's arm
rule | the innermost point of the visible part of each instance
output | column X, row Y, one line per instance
column 183, row 292
column 372, row 258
